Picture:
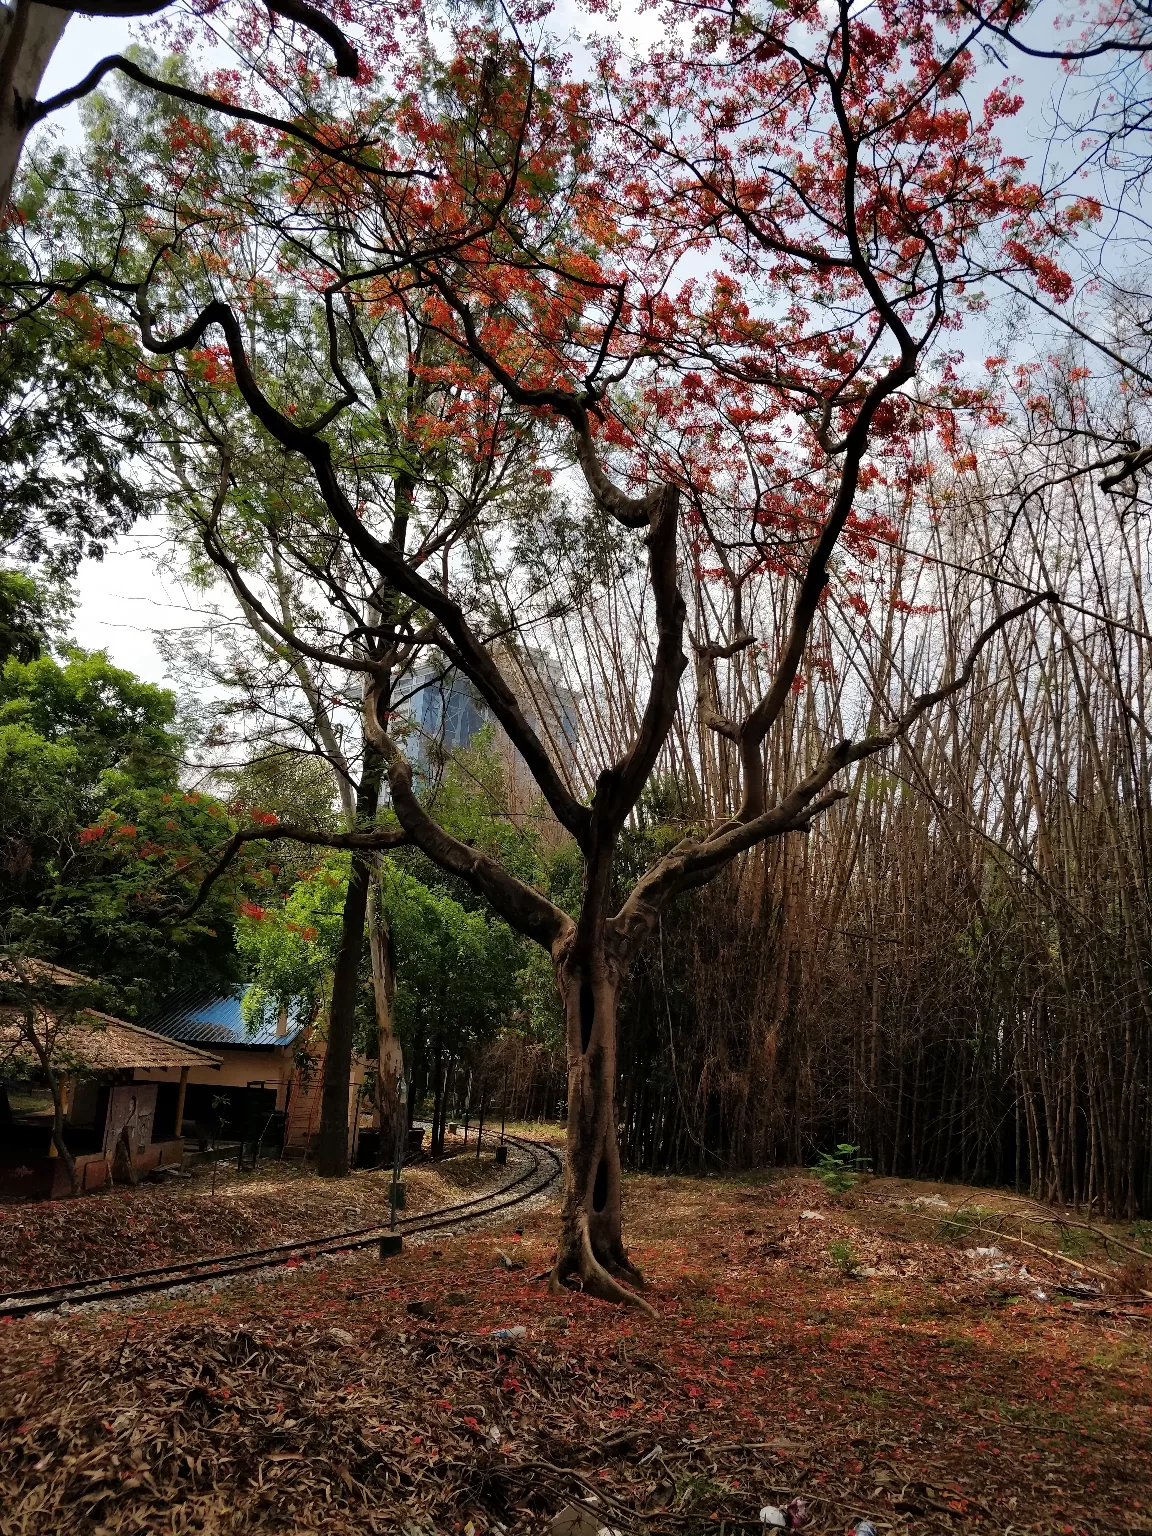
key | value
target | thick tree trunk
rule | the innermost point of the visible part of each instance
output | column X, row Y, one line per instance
column 591, row 1237
column 28, row 35
column 332, row 1143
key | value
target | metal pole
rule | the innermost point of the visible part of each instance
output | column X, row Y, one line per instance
column 480, row 1130
column 503, row 1103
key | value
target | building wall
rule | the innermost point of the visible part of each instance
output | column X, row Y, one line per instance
column 297, row 1092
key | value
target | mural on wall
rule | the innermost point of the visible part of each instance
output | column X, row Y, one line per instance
column 132, row 1108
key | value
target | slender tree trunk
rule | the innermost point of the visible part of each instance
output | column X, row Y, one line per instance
column 438, row 1101
column 56, row 1088
column 591, row 1237
column 332, row 1142
column 390, row 1057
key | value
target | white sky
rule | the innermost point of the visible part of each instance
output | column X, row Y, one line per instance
column 125, row 599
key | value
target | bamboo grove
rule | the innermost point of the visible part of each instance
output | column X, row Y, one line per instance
column 952, row 970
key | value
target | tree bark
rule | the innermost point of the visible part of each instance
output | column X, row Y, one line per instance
column 438, row 1101
column 62, row 1151
column 390, row 1056
column 591, row 1238
column 28, row 35
column 332, row 1143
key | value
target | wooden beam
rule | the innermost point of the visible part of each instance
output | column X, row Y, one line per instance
column 181, row 1091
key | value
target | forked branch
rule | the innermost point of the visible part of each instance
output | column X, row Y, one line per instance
column 694, row 861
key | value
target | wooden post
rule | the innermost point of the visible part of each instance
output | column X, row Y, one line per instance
column 180, row 1093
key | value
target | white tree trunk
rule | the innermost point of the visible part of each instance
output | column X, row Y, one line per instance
column 28, row 35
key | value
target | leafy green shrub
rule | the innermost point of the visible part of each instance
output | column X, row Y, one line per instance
column 839, row 1170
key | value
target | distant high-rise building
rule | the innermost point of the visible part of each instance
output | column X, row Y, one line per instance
column 448, row 712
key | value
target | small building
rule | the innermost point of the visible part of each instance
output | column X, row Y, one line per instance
column 119, row 1081
column 267, row 1083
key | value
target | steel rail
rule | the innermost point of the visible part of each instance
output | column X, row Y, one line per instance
column 224, row 1266
column 253, row 1253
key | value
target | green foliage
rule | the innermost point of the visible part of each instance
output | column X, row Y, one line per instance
column 541, row 1015
column 456, row 970
column 113, row 720
column 838, row 1170
column 32, row 615
column 469, row 799
column 98, row 843
column 290, row 950
column 68, row 432
column 844, row 1256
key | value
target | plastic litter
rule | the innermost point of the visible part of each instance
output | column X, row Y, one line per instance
column 1084, row 1289
column 509, row 1333
column 811, row 1216
column 575, row 1520
column 792, row 1518
column 1040, row 1295
column 866, row 1528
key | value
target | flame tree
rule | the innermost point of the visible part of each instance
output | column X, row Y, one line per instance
column 711, row 287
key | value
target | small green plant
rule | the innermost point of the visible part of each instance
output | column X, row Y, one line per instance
column 1076, row 1244
column 839, row 1170
column 844, row 1257
column 961, row 1226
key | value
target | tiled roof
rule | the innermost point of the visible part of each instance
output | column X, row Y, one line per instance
column 216, row 1019
column 100, row 1043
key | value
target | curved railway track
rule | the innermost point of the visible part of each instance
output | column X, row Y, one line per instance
column 542, row 1166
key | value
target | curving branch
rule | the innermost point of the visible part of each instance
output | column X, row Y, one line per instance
column 631, row 511
column 37, row 111
column 362, row 842
column 526, row 909
column 758, row 723
column 383, row 557
column 347, row 60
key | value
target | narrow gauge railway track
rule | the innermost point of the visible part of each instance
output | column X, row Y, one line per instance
column 542, row 1167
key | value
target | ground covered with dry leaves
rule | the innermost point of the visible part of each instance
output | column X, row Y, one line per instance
column 153, row 1224
column 854, row 1350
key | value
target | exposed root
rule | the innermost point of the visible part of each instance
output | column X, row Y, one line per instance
column 596, row 1279
column 622, row 1267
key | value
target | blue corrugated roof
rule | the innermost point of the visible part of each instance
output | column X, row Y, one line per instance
column 215, row 1018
